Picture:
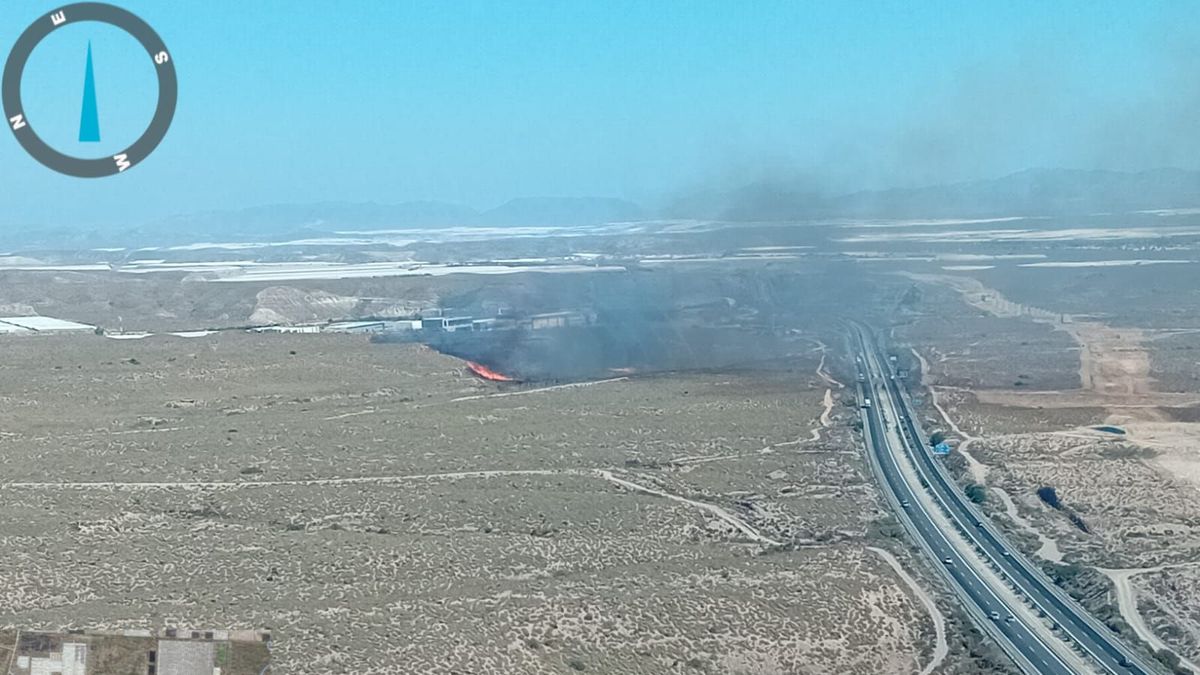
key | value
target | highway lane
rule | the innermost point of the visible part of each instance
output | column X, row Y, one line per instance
column 983, row 601
column 1079, row 627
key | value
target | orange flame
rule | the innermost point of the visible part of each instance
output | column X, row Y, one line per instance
column 487, row 373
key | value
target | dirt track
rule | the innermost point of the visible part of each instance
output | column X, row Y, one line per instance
column 1127, row 599
column 1112, row 361
column 355, row 497
column 1115, row 378
column 1114, row 369
column 940, row 648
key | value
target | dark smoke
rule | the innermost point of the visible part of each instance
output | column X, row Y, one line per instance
column 965, row 148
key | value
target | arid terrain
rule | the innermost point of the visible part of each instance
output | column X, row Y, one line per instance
column 1103, row 413
column 635, row 338
column 378, row 509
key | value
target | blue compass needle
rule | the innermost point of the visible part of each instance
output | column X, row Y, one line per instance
column 89, row 119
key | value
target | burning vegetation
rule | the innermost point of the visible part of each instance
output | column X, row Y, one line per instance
column 486, row 373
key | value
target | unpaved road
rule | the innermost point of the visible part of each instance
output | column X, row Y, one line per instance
column 739, row 524
column 978, row 469
column 1049, row 549
column 608, row 475
column 1112, row 361
column 539, row 390
column 1127, row 603
column 940, row 648
column 1114, row 371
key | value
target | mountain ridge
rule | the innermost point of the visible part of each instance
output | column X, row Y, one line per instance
column 1030, row 192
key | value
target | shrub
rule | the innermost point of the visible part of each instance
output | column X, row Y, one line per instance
column 976, row 493
column 1050, row 496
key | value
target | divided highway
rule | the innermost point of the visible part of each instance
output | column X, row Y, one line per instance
column 1041, row 628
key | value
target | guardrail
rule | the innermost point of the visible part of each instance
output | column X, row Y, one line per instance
column 972, row 609
column 1032, row 575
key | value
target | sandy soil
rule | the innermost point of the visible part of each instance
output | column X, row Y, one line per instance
column 940, row 648
column 1049, row 549
column 382, row 511
column 1115, row 370
column 1112, row 361
column 1137, row 491
column 1127, row 595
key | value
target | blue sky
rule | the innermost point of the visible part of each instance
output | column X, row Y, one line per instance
column 475, row 103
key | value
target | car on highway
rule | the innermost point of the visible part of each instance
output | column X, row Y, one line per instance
column 1011, row 571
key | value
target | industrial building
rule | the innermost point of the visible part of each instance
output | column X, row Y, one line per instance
column 72, row 660
column 447, row 323
column 308, row 328
column 357, row 327
column 559, row 320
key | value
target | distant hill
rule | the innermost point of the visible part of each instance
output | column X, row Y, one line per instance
column 299, row 221
column 1033, row 192
column 548, row 211
column 271, row 221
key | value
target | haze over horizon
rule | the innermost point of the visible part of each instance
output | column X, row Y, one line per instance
column 473, row 104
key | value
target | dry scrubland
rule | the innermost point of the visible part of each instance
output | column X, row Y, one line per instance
column 1138, row 500
column 1150, row 297
column 969, row 348
column 1136, row 515
column 977, row 417
column 1175, row 362
column 200, row 482
column 158, row 302
column 1137, row 494
column 154, row 302
column 177, row 301
column 1171, row 605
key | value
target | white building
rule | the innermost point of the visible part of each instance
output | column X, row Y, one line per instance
column 41, row 324
column 356, row 327
column 71, row 661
